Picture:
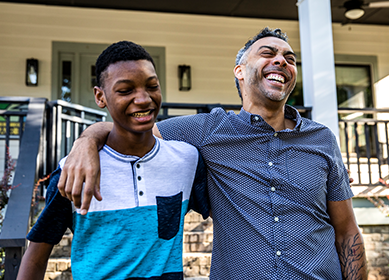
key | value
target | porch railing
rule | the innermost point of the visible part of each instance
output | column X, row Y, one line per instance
column 365, row 144
column 44, row 132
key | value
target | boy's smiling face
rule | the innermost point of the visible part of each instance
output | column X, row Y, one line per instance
column 131, row 92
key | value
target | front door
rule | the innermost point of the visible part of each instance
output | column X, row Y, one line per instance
column 74, row 77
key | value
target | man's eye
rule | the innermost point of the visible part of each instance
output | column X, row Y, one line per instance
column 291, row 60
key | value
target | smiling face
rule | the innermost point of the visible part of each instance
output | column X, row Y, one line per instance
column 268, row 72
column 132, row 95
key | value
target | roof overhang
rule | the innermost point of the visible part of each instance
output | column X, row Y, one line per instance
column 275, row 9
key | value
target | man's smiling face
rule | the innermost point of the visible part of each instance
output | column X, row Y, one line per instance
column 269, row 70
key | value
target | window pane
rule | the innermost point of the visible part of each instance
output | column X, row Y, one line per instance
column 353, row 86
column 66, row 84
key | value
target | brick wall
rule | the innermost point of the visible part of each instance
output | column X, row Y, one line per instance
column 377, row 251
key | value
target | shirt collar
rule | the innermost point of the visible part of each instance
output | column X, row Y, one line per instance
column 290, row 113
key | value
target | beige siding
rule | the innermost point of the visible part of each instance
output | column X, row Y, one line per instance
column 208, row 44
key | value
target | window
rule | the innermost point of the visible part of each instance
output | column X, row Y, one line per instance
column 353, row 87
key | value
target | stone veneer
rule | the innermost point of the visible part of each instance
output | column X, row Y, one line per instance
column 198, row 247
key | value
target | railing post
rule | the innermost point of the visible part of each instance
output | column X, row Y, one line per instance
column 17, row 219
column 13, row 258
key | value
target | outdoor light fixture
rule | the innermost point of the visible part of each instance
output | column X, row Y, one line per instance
column 184, row 77
column 353, row 9
column 32, row 72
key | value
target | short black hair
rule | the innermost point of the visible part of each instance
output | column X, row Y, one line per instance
column 120, row 51
column 266, row 32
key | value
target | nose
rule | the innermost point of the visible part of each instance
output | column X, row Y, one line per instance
column 142, row 98
column 279, row 60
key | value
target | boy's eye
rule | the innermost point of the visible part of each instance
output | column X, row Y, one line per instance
column 124, row 91
column 153, row 87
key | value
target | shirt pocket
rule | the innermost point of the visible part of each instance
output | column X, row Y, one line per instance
column 307, row 176
column 169, row 215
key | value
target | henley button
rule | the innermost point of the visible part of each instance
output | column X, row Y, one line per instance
column 140, row 193
column 137, row 165
column 139, row 178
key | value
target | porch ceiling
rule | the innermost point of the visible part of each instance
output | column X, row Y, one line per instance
column 274, row 9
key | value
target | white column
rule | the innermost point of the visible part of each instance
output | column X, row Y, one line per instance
column 317, row 59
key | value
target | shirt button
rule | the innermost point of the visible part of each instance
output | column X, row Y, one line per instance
column 141, row 193
column 256, row 118
column 270, row 164
column 275, row 134
column 137, row 165
column 139, row 178
column 278, row 253
column 276, row 219
column 273, row 189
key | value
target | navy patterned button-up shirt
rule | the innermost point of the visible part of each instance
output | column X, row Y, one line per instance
column 268, row 193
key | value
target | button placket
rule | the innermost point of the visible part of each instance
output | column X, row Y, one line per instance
column 140, row 182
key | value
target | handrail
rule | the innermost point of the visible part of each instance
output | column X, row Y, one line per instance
column 16, row 221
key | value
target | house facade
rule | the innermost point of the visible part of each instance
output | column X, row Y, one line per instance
column 67, row 40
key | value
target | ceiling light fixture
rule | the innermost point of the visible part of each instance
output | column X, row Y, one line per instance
column 353, row 9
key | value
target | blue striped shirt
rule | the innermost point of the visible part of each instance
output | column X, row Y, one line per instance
column 268, row 193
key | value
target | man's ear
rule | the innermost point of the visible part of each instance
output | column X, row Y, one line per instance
column 238, row 71
column 99, row 97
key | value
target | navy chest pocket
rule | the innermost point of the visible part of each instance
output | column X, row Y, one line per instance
column 169, row 215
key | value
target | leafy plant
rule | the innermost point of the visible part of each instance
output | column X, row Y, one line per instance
column 5, row 186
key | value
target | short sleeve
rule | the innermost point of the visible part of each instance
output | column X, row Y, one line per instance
column 55, row 218
column 199, row 200
column 338, row 181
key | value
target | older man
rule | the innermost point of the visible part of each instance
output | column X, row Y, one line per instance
column 279, row 192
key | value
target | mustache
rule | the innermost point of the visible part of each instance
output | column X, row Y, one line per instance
column 278, row 69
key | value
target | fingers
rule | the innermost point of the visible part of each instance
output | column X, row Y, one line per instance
column 349, row 179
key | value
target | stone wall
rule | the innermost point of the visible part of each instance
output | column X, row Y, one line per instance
column 377, row 251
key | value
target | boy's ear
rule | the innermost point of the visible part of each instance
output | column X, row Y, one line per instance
column 99, row 97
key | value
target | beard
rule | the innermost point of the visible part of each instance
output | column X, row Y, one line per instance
column 272, row 93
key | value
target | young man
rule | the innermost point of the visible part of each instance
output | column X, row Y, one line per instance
column 136, row 231
column 279, row 191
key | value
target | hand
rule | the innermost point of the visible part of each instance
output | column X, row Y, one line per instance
column 82, row 165
column 349, row 179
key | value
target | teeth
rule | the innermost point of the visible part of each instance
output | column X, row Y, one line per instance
column 139, row 115
column 276, row 77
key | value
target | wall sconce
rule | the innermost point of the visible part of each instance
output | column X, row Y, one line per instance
column 184, row 77
column 32, row 72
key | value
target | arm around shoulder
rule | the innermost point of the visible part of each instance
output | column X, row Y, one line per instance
column 83, row 165
column 34, row 261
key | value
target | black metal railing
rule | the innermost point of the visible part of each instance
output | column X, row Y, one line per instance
column 45, row 132
column 365, row 144
column 169, row 110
